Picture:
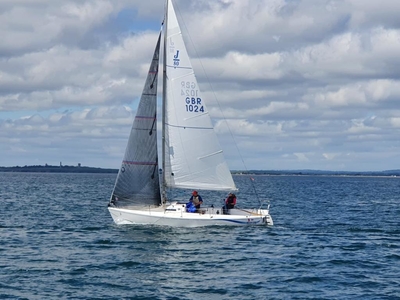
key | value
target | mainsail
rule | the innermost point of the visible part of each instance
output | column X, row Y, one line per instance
column 138, row 181
column 193, row 155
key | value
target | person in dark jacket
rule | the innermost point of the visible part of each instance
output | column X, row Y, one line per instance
column 230, row 201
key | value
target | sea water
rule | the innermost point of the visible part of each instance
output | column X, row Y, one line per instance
column 333, row 238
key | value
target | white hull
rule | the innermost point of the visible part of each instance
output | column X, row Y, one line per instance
column 176, row 215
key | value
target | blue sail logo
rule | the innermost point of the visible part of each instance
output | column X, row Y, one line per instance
column 176, row 59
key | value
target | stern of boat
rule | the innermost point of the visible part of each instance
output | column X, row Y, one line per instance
column 267, row 217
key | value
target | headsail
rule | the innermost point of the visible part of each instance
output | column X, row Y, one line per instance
column 138, row 180
column 193, row 155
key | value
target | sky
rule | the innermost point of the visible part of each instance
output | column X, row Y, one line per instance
column 290, row 84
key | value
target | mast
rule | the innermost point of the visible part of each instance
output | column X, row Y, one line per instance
column 164, row 97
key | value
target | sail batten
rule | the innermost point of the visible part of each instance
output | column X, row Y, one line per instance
column 211, row 154
column 174, row 67
column 188, row 127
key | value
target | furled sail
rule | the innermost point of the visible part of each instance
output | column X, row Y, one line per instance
column 138, row 180
column 193, row 155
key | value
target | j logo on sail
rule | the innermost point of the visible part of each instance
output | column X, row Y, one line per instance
column 176, row 59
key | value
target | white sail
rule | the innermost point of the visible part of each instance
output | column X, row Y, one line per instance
column 138, row 181
column 193, row 155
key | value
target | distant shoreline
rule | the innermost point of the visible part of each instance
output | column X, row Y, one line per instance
column 387, row 173
column 57, row 169
column 85, row 169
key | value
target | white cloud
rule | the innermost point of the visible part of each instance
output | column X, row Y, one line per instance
column 301, row 157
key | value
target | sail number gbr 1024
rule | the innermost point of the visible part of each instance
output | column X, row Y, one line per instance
column 192, row 100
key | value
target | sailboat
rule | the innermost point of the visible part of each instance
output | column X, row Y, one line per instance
column 191, row 154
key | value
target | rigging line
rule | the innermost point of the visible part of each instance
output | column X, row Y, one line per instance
column 219, row 106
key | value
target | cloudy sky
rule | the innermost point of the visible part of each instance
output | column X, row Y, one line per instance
column 303, row 84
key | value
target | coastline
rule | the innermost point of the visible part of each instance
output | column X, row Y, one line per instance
column 86, row 169
column 56, row 169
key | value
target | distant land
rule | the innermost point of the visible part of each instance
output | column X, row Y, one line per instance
column 57, row 169
column 84, row 169
column 394, row 173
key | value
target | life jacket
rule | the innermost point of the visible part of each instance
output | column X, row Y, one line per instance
column 196, row 200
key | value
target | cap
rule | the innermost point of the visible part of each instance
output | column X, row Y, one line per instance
column 194, row 193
